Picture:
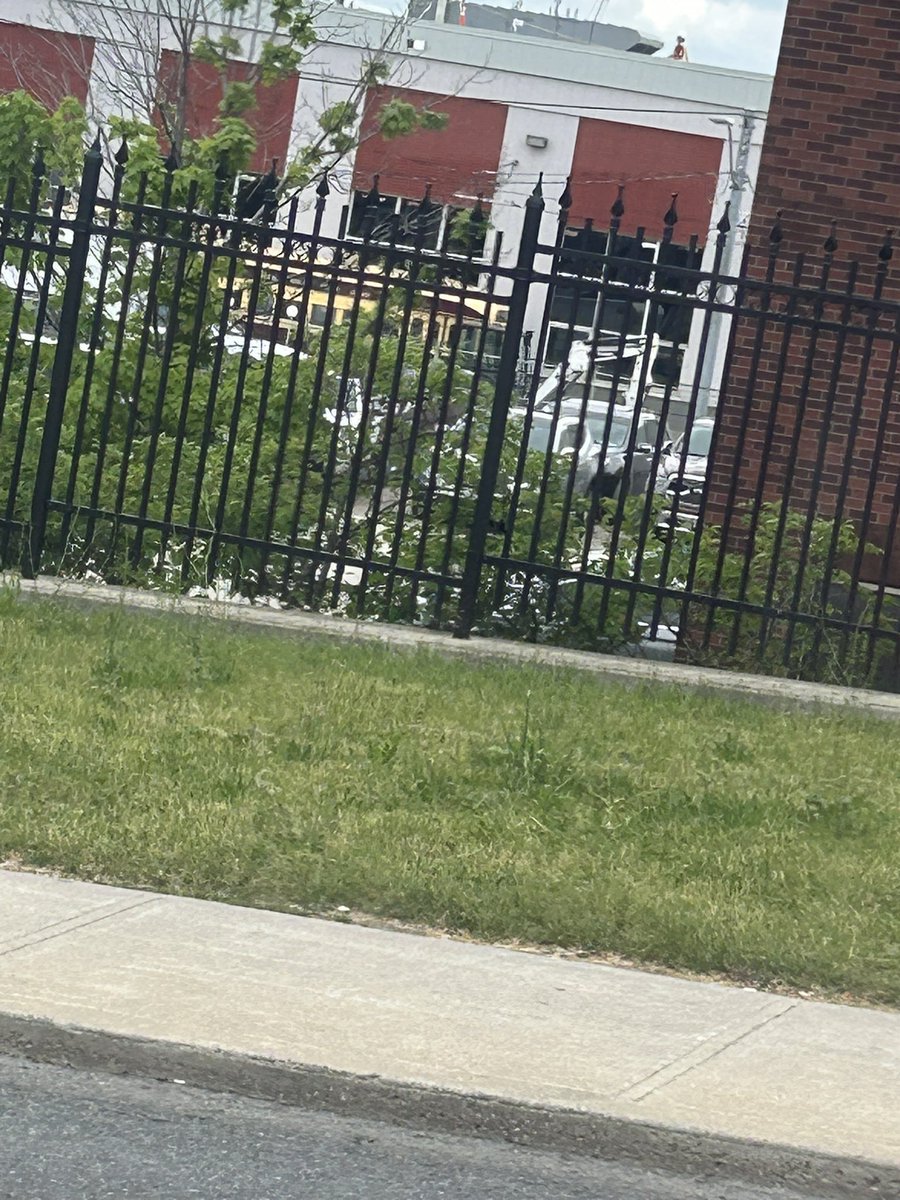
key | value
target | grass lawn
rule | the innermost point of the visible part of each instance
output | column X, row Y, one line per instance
column 508, row 802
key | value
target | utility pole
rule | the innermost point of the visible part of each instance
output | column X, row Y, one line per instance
column 739, row 180
column 740, row 183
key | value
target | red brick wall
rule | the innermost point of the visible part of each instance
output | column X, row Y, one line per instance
column 459, row 161
column 270, row 119
column 652, row 163
column 47, row 64
column 833, row 140
column 831, row 153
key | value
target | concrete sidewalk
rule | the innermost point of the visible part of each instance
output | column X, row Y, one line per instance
column 610, row 1060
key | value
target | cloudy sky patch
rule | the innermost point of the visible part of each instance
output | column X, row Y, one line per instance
column 726, row 33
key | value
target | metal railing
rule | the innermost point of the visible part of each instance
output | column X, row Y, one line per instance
column 198, row 400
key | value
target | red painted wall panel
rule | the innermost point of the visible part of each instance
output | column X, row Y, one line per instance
column 652, row 163
column 459, row 161
column 270, row 120
column 47, row 64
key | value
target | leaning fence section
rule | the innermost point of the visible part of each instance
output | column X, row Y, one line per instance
column 601, row 437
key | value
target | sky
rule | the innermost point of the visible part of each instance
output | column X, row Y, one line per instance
column 725, row 33
column 740, row 34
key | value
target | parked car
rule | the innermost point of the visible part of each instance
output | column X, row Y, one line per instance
column 682, row 475
column 584, row 439
column 619, row 427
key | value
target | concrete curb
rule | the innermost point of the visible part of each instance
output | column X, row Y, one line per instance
column 623, row 670
column 683, row 1151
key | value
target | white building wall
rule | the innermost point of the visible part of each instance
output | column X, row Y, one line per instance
column 546, row 86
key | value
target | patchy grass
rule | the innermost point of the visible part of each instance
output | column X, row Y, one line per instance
column 508, row 802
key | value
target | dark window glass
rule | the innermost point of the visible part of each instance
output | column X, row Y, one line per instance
column 666, row 367
column 674, row 323
column 378, row 221
column 677, row 256
column 418, row 221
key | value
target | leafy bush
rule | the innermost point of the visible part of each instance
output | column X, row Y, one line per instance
column 788, row 563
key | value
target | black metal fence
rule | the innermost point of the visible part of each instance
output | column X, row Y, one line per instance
column 195, row 398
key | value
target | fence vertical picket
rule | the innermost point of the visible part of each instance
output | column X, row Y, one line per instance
column 66, row 346
column 503, row 393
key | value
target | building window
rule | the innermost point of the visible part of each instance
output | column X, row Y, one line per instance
column 666, row 367
column 475, row 340
column 432, row 224
column 575, row 305
column 441, row 220
column 380, row 220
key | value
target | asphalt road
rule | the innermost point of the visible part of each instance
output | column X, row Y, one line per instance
column 70, row 1135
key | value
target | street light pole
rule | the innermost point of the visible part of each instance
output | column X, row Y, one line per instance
column 739, row 179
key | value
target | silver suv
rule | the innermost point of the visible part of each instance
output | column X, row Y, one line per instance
column 616, row 427
column 682, row 473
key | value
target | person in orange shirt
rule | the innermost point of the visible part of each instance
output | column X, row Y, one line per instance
column 680, row 53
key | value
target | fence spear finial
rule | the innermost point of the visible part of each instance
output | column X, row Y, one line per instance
column 776, row 233
column 617, row 212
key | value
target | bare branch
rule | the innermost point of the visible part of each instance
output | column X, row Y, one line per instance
column 145, row 62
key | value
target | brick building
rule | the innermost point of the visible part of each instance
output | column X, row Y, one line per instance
column 833, row 142
column 827, row 401
column 604, row 111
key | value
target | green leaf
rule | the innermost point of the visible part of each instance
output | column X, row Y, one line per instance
column 278, row 62
column 433, row 120
column 396, row 118
column 238, row 99
column 375, row 71
column 338, row 117
column 207, row 50
column 67, row 137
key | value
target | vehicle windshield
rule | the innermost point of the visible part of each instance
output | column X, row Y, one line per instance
column 539, row 437
column 618, row 430
column 700, row 439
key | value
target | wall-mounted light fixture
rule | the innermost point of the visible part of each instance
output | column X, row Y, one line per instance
column 536, row 141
